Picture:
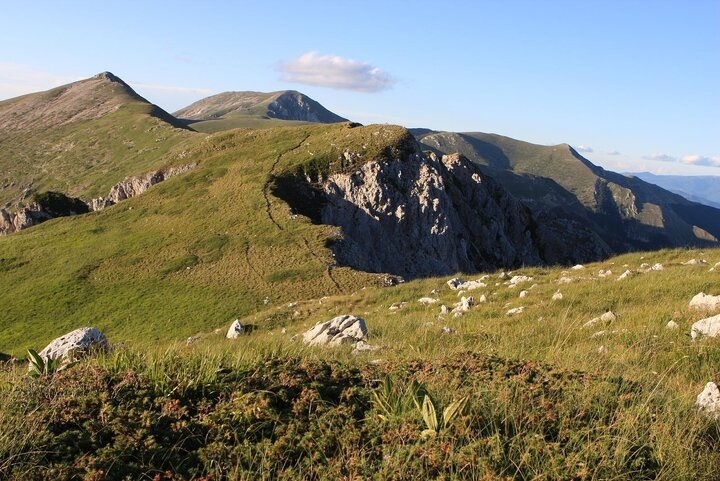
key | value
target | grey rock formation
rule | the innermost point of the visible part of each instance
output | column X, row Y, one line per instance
column 132, row 186
column 339, row 330
column 27, row 216
column 424, row 216
column 79, row 340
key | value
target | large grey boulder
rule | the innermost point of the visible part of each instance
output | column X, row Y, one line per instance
column 79, row 340
column 339, row 330
column 709, row 326
column 708, row 401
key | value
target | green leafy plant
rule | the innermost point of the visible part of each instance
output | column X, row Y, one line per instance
column 47, row 367
column 436, row 424
column 393, row 400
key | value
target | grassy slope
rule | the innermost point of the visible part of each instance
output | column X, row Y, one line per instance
column 544, row 403
column 190, row 254
column 87, row 157
column 238, row 120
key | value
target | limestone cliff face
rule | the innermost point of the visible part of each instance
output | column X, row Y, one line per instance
column 426, row 216
column 23, row 218
column 132, row 186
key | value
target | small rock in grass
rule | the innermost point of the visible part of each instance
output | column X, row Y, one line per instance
column 705, row 301
column 515, row 311
column 672, row 325
column 234, row 330
column 83, row 339
column 557, row 296
column 624, row 275
column 708, row 401
column 706, row 327
column 577, row 267
column 523, row 294
column 427, row 300
column 338, row 330
column 448, row 330
column 657, row 267
column 443, row 309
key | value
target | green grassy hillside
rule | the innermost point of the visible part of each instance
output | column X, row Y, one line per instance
column 191, row 253
column 82, row 138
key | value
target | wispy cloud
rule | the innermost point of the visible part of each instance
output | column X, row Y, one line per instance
column 660, row 158
column 612, row 152
column 584, row 149
column 695, row 159
column 335, row 72
column 19, row 79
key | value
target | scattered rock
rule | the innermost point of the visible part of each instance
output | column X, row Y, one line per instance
column 608, row 318
column 672, row 325
column 557, row 296
column 577, row 267
column 458, row 284
column 714, row 268
column 514, row 311
column 427, row 300
column 464, row 305
column 705, row 301
column 79, row 340
column 339, row 330
column 234, row 330
column 397, row 306
column 607, row 333
column 706, row 327
column 694, row 262
column 191, row 340
column 443, row 309
column 448, row 330
column 519, row 279
column 604, row 273
column 503, row 276
column 657, row 267
column 644, row 265
column 363, row 346
column 483, row 298
column 624, row 275
column 454, row 283
column 565, row 280
column 708, row 401
column 524, row 294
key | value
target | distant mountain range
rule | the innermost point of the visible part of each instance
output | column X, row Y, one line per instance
column 704, row 189
column 254, row 109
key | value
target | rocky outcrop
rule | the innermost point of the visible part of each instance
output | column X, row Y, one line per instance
column 235, row 330
column 427, row 216
column 709, row 326
column 78, row 341
column 23, row 218
column 132, row 186
column 705, row 301
column 708, row 401
column 339, row 330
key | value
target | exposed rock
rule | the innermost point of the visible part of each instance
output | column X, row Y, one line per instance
column 604, row 273
column 454, row 283
column 624, row 275
column 443, row 309
column 457, row 284
column 426, row 301
column 503, row 276
column 519, row 280
column 565, row 280
column 672, row 325
column 482, row 298
column 132, row 186
column 577, row 267
column 422, row 216
column 44, row 206
column 235, row 330
column 694, row 262
column 716, row 267
column 363, row 346
column 464, row 305
column 397, row 306
column 705, row 301
column 708, row 401
column 448, row 330
column 523, row 294
column 339, row 330
column 514, row 311
column 192, row 339
column 607, row 318
column 75, row 342
column 557, row 296
column 657, row 267
column 706, row 327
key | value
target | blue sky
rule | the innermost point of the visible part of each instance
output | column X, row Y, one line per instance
column 632, row 84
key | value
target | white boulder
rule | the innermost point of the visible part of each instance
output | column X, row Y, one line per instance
column 234, row 330
column 515, row 311
column 671, row 325
column 708, row 401
column 426, row 301
column 82, row 340
column 624, row 275
column 706, row 327
column 519, row 279
column 523, row 294
column 339, row 330
column 577, row 267
column 557, row 296
column 705, row 301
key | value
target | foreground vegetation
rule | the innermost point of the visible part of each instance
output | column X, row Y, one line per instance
column 536, row 395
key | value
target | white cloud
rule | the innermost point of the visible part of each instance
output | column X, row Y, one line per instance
column 612, row 152
column 660, row 158
column 19, row 79
column 695, row 159
column 334, row 72
column 584, row 149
